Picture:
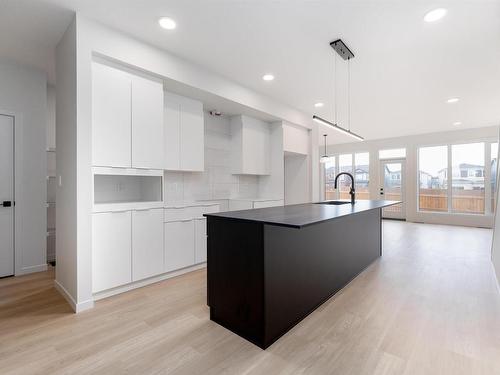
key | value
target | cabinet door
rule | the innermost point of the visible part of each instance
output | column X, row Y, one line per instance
column 179, row 244
column 192, row 146
column 256, row 148
column 111, row 119
column 147, row 243
column 172, row 120
column 237, row 205
column 200, row 248
column 264, row 204
column 111, row 250
column 147, row 123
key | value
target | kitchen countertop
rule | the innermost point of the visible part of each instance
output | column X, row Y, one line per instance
column 301, row 215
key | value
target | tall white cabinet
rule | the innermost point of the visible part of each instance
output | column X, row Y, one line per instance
column 183, row 134
column 127, row 119
column 138, row 131
column 147, row 123
column 111, row 117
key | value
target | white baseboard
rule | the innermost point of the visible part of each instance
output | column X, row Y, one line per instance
column 77, row 307
column 141, row 283
column 32, row 269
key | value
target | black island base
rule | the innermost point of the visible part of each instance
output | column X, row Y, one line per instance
column 269, row 268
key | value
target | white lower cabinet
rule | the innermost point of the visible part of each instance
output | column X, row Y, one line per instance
column 264, row 204
column 147, row 243
column 111, row 250
column 179, row 244
column 200, row 240
column 137, row 244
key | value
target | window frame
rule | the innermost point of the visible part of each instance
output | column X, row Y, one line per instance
column 353, row 169
column 487, row 176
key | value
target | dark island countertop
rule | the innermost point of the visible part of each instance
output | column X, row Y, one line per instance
column 301, row 215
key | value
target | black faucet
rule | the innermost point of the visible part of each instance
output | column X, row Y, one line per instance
column 351, row 190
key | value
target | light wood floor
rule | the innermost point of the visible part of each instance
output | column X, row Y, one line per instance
column 429, row 306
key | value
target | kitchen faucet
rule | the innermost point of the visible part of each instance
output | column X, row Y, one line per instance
column 351, row 190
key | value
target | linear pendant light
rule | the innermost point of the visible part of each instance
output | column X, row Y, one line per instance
column 344, row 52
column 319, row 120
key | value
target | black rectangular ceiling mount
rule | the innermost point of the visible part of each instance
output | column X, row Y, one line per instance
column 340, row 47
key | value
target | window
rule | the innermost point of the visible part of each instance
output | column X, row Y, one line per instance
column 493, row 157
column 394, row 153
column 345, row 165
column 330, row 178
column 433, row 183
column 362, row 175
column 467, row 193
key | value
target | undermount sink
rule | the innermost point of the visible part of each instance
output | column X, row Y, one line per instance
column 335, row 203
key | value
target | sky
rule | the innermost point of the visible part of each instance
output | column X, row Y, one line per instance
column 433, row 159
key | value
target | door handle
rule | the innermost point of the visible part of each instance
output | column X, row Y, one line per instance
column 6, row 204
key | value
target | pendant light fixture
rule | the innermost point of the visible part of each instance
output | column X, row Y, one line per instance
column 344, row 52
column 325, row 156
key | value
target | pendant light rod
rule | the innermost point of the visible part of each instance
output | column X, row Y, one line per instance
column 340, row 129
column 343, row 51
column 349, row 94
column 325, row 156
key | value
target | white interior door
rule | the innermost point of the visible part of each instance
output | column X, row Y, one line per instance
column 392, row 187
column 6, row 195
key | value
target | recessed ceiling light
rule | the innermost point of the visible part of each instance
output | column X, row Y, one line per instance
column 435, row 15
column 452, row 100
column 318, row 105
column 457, row 123
column 167, row 23
column 267, row 77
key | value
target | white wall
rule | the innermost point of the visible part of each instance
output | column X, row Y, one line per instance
column 297, row 186
column 272, row 186
column 23, row 93
column 316, row 186
column 51, row 117
column 216, row 182
column 412, row 143
column 495, row 248
column 66, row 202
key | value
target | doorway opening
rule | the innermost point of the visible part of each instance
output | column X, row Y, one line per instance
column 7, row 252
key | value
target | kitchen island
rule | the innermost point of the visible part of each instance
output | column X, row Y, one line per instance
column 269, row 268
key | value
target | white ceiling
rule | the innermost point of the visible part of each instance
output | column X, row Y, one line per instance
column 403, row 72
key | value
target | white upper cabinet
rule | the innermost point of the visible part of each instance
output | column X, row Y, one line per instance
column 251, row 148
column 127, row 119
column 183, row 134
column 111, row 117
column 147, row 123
column 171, row 134
column 295, row 139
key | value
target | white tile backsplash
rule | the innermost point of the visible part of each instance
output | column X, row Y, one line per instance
column 216, row 182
